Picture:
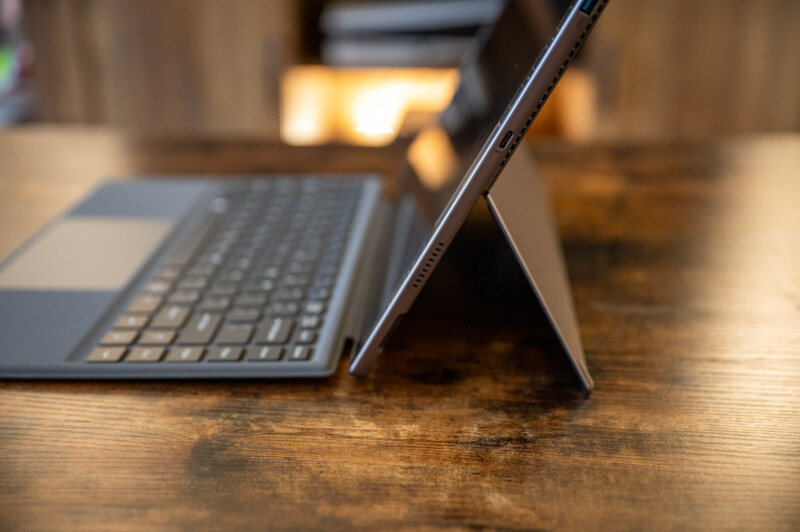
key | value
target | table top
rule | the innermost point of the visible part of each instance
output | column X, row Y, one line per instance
column 684, row 262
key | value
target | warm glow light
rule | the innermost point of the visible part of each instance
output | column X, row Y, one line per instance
column 376, row 114
column 306, row 98
column 433, row 157
column 364, row 106
column 375, row 129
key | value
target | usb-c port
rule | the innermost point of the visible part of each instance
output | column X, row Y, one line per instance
column 506, row 139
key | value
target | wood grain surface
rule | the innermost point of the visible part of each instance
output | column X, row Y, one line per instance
column 684, row 261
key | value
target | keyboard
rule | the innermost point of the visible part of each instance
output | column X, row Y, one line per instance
column 251, row 284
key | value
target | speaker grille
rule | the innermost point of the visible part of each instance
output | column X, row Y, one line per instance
column 553, row 84
column 428, row 265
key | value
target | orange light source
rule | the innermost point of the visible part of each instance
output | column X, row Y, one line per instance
column 306, row 99
column 362, row 106
column 433, row 157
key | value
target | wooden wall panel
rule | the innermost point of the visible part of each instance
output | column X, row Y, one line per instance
column 689, row 69
column 163, row 65
column 668, row 69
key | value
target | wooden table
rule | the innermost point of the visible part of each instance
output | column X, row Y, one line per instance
column 685, row 263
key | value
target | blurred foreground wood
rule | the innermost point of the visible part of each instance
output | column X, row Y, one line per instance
column 684, row 262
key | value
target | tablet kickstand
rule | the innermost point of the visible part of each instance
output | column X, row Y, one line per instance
column 519, row 202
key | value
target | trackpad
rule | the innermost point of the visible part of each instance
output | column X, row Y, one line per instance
column 86, row 253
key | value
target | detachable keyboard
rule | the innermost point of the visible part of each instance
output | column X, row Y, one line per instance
column 254, row 286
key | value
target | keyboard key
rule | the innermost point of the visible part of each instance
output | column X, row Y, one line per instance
column 215, row 258
column 300, row 267
column 243, row 263
column 214, row 303
column 119, row 338
column 222, row 289
column 168, row 273
column 264, row 354
column 310, row 322
column 320, row 293
column 265, row 285
column 272, row 272
column 145, row 304
column 145, row 354
column 289, row 294
column 296, row 280
column 192, row 283
column 185, row 354
column 156, row 337
column 244, row 315
column 106, row 354
column 200, row 329
column 234, row 275
column 283, row 309
column 224, row 354
column 130, row 321
column 274, row 331
column 157, row 287
column 299, row 352
column 328, row 268
column 305, row 336
column 184, row 296
column 251, row 300
column 315, row 307
column 202, row 269
column 325, row 281
column 305, row 255
column 171, row 317
column 234, row 334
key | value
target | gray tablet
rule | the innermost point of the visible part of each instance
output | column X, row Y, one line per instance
column 503, row 87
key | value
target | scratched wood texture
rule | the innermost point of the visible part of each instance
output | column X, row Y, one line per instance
column 684, row 260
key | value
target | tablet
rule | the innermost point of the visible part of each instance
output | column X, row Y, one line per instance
column 451, row 165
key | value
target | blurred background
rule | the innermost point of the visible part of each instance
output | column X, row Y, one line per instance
column 365, row 72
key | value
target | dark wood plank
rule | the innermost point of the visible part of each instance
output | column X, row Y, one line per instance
column 684, row 265
column 694, row 70
column 166, row 66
